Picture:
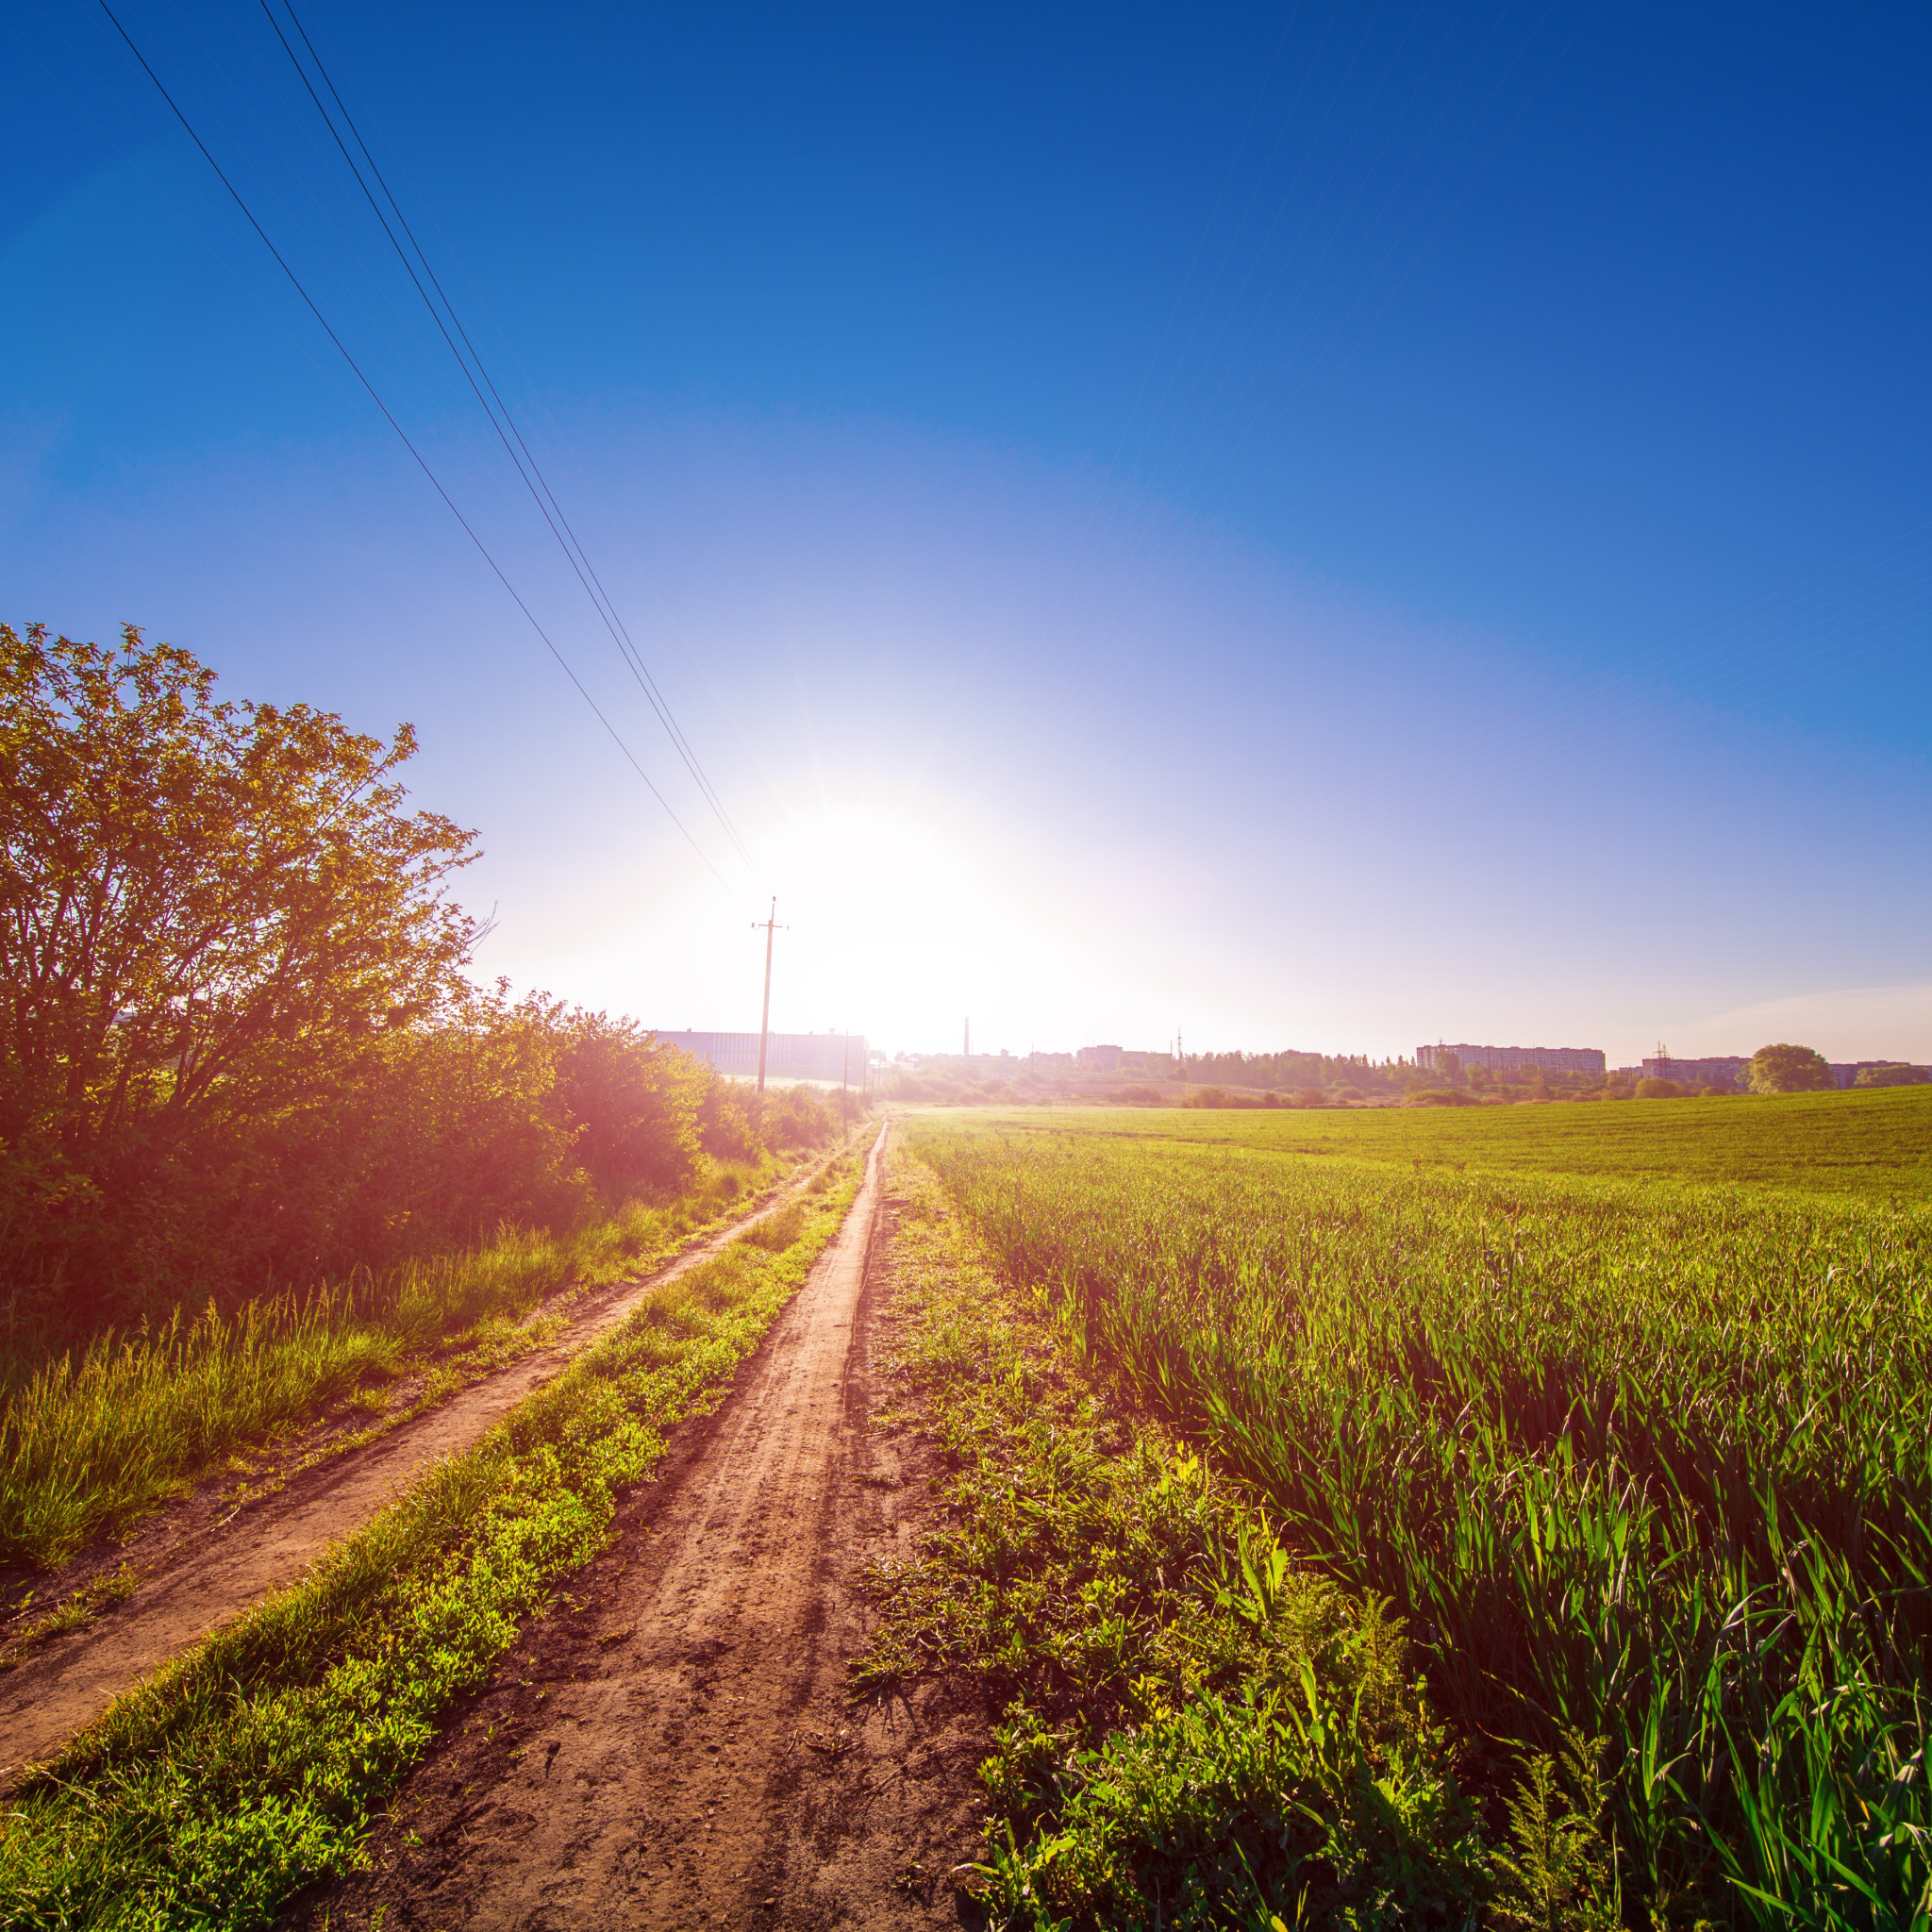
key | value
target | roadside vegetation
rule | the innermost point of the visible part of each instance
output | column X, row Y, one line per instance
column 238, row 1775
column 1641, row 1467
column 97, row 1439
column 1192, row 1732
column 263, row 1145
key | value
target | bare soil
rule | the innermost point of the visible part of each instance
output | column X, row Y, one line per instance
column 211, row 1557
column 677, row 1742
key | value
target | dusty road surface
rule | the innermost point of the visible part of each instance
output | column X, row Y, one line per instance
column 214, row 1569
column 676, row 1745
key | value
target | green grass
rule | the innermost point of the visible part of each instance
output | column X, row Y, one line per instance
column 1871, row 1146
column 1637, row 1459
column 1195, row 1733
column 249, row 1768
column 92, row 1442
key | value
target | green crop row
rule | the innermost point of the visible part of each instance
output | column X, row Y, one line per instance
column 1638, row 1462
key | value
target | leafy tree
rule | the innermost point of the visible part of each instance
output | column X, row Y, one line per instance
column 209, row 912
column 199, row 901
column 237, row 1044
column 1784, row 1069
column 1896, row 1076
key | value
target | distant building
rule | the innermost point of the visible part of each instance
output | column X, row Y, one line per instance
column 1440, row 1059
column 1099, row 1059
column 838, row 1057
column 1721, row 1069
column 1735, row 1069
column 1845, row 1074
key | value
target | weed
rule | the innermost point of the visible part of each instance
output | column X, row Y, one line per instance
column 79, row 1610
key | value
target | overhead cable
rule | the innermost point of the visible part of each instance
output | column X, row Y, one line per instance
column 479, row 379
column 403, row 436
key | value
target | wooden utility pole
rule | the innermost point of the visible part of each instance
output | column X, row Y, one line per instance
column 770, row 925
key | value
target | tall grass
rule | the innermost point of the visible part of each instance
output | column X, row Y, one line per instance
column 250, row 1767
column 92, row 1440
column 1638, row 1462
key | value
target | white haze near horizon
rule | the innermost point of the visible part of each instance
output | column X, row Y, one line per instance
column 1014, row 742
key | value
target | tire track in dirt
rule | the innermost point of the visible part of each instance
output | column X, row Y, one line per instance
column 676, row 1744
column 215, row 1577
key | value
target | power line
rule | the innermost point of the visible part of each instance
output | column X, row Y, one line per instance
column 533, row 478
column 422, row 463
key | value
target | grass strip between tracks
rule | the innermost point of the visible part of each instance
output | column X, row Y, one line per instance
column 1196, row 1732
column 92, row 1442
column 250, row 1768
column 97, row 1440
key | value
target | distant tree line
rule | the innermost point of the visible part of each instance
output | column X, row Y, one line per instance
column 1296, row 1079
column 237, row 1048
column 1292, row 1068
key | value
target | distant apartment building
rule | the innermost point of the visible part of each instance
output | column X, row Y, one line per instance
column 1099, row 1059
column 1441, row 1058
column 1720, row 1070
column 838, row 1058
column 1845, row 1073
column 1735, row 1070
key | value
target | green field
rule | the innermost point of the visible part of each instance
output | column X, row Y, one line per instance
column 1624, row 1406
column 1872, row 1145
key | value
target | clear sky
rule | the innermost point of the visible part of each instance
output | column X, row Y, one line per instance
column 1313, row 527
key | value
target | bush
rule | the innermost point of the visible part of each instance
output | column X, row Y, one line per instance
column 1138, row 1095
column 634, row 1104
column 1440, row 1096
column 1220, row 1097
column 728, row 1123
column 1653, row 1089
column 797, row 1117
column 238, row 1049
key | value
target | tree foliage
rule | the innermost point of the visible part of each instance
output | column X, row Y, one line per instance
column 237, row 1046
column 635, row 1104
column 1785, row 1069
column 1897, row 1074
column 203, row 905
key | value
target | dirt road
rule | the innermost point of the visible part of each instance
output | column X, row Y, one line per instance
column 214, row 1570
column 676, row 1745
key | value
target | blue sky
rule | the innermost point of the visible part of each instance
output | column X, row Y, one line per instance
column 1319, row 526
